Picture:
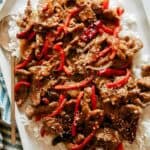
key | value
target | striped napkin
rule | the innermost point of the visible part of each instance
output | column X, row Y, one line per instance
column 5, row 128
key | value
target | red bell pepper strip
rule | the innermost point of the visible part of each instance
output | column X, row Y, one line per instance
column 42, row 131
column 121, row 82
column 58, row 110
column 120, row 147
column 103, row 52
column 24, row 34
column 31, row 36
column 59, row 48
column 76, row 112
column 21, row 83
column 72, row 13
column 116, row 31
column 67, row 71
column 47, row 44
column 84, row 142
column 63, row 27
column 75, row 85
column 44, row 50
column 107, row 29
column 93, row 98
column 120, row 11
column 113, row 54
column 105, row 4
column 24, row 63
column 109, row 72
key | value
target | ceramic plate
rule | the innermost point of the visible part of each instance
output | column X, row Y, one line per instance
column 132, row 7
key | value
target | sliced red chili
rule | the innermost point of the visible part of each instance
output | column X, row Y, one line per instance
column 121, row 82
column 76, row 113
column 105, row 4
column 58, row 47
column 84, row 142
column 120, row 11
column 24, row 63
column 58, row 110
column 93, row 98
column 75, row 85
column 109, row 72
column 20, row 84
column 120, row 147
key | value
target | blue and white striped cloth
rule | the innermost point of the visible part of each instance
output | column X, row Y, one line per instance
column 4, row 101
column 5, row 128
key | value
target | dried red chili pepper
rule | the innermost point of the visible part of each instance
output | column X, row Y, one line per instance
column 21, row 83
column 75, row 85
column 108, row 72
column 121, row 82
column 58, row 110
column 58, row 47
column 76, row 112
column 90, row 32
column 120, row 11
column 84, row 142
column 105, row 4
column 93, row 98
column 24, row 63
column 120, row 147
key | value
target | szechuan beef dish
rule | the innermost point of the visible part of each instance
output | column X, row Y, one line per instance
column 76, row 74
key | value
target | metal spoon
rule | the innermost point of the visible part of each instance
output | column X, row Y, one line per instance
column 4, row 40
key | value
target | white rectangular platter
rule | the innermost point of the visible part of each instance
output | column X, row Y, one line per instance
column 134, row 7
